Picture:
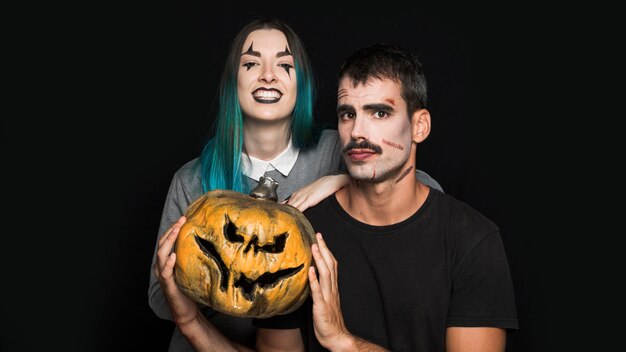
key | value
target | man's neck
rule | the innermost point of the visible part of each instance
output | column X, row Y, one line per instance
column 383, row 203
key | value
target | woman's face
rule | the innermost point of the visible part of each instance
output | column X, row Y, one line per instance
column 266, row 81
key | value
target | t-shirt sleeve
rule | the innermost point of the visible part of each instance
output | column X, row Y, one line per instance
column 483, row 293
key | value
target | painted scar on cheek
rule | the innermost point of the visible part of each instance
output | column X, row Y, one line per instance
column 404, row 173
column 395, row 145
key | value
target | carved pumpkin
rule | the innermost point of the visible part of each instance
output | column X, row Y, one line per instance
column 245, row 255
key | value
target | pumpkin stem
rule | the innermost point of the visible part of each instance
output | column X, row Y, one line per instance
column 265, row 189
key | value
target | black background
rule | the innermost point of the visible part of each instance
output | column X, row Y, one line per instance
column 128, row 95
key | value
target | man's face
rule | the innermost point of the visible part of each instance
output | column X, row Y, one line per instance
column 266, row 81
column 374, row 130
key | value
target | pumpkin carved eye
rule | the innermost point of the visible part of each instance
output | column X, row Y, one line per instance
column 230, row 231
column 244, row 255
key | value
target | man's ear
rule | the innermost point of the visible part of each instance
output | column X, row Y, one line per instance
column 420, row 125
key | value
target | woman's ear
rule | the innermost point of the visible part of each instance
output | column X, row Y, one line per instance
column 420, row 125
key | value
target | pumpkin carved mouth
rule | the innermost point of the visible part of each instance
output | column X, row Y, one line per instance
column 246, row 284
column 266, row 280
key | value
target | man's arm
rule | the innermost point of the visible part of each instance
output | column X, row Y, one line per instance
column 479, row 339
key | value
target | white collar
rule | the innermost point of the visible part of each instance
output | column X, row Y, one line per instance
column 283, row 163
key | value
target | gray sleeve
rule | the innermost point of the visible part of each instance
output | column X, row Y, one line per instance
column 332, row 158
column 426, row 179
column 178, row 198
column 312, row 163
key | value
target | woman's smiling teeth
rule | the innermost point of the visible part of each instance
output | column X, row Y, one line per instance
column 266, row 96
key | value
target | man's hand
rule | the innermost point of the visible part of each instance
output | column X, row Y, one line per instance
column 330, row 328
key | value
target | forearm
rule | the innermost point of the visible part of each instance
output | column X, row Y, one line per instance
column 362, row 345
column 204, row 337
column 158, row 302
column 354, row 343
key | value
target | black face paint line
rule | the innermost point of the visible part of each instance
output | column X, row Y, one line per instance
column 251, row 52
column 286, row 52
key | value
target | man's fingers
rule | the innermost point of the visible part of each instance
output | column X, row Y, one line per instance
column 329, row 259
column 316, row 292
column 323, row 271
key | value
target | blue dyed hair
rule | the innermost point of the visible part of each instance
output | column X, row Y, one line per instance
column 220, row 161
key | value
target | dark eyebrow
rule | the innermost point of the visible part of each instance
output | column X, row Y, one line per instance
column 344, row 108
column 379, row 107
column 251, row 52
column 284, row 53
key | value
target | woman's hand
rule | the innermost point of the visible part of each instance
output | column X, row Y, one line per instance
column 316, row 191
column 183, row 308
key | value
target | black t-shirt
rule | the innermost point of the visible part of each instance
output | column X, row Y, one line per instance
column 402, row 285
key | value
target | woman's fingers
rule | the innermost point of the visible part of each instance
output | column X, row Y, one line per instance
column 178, row 222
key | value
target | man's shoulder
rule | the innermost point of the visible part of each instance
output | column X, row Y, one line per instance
column 460, row 213
column 321, row 209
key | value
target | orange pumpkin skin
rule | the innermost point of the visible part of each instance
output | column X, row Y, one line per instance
column 243, row 256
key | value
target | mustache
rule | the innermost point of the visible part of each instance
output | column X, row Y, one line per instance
column 362, row 145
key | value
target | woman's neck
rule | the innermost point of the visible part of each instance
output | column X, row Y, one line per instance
column 266, row 139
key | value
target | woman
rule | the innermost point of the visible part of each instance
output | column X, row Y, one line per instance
column 264, row 126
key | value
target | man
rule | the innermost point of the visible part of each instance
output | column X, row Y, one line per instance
column 417, row 269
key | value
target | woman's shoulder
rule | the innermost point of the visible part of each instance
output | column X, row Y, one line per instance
column 328, row 134
column 328, row 139
column 189, row 171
